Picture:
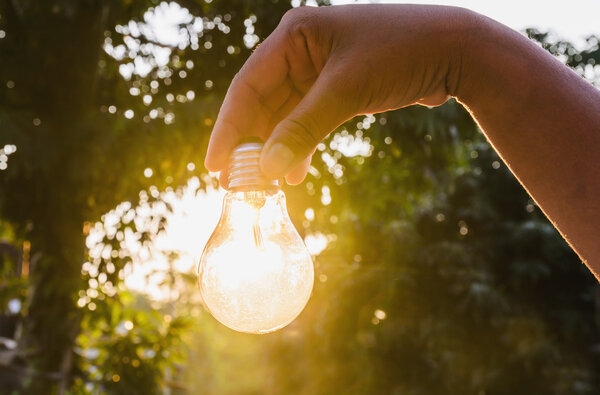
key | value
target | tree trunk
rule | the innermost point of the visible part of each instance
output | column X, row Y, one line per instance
column 53, row 318
column 54, row 49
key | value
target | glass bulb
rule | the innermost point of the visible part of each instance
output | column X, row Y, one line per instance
column 255, row 274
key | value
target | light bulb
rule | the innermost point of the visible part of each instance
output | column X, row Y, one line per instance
column 255, row 274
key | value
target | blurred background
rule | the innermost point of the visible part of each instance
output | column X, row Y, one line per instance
column 435, row 272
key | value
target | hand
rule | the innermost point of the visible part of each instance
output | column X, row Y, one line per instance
column 322, row 66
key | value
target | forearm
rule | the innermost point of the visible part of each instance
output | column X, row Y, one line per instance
column 544, row 120
column 322, row 66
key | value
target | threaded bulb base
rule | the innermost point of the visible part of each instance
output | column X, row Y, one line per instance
column 244, row 169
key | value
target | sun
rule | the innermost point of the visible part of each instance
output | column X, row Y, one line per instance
column 195, row 213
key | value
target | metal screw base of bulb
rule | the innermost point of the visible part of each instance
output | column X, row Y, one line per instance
column 244, row 169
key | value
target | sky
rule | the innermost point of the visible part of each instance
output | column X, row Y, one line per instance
column 572, row 20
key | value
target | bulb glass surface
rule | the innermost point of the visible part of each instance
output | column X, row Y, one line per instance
column 255, row 274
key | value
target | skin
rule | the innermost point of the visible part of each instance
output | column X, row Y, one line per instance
column 323, row 66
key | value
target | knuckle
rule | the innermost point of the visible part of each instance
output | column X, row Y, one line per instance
column 296, row 13
column 301, row 133
column 298, row 21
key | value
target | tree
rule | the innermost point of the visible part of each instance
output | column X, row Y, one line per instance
column 83, row 142
column 440, row 274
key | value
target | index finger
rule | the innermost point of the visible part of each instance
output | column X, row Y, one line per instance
column 244, row 112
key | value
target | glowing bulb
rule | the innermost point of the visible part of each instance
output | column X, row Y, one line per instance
column 255, row 274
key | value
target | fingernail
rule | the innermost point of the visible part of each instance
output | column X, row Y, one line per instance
column 277, row 159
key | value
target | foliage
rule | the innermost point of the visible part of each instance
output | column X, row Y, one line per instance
column 440, row 274
column 470, row 291
column 127, row 347
column 128, row 341
column 84, row 136
column 13, row 286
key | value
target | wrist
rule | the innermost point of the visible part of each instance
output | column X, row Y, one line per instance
column 493, row 63
column 468, row 45
column 456, row 43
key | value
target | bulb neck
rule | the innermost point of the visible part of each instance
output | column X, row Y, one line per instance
column 244, row 169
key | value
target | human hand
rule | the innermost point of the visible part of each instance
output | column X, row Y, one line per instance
column 322, row 66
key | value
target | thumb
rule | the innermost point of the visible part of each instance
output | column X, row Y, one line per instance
column 295, row 138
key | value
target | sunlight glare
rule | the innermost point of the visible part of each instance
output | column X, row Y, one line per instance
column 195, row 214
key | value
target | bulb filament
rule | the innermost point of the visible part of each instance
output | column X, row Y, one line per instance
column 258, row 239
